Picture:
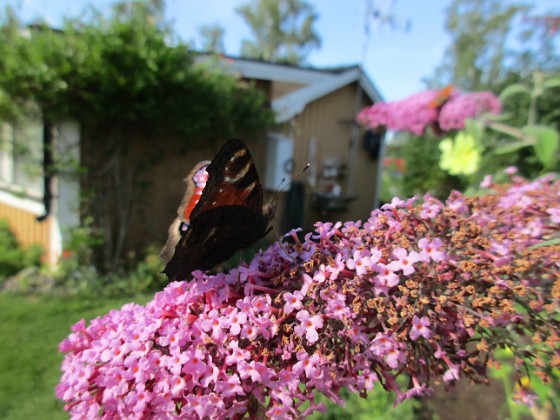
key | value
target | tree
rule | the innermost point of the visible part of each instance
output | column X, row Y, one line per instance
column 153, row 10
column 479, row 30
column 283, row 30
column 212, row 38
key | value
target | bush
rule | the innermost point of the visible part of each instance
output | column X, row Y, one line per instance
column 13, row 257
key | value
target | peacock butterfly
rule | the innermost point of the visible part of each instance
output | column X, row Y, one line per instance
column 218, row 218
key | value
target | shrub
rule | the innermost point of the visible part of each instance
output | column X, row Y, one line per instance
column 13, row 257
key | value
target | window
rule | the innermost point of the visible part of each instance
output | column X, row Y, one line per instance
column 21, row 156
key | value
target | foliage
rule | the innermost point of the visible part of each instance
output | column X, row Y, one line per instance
column 516, row 105
column 534, row 147
column 121, row 71
column 283, row 30
column 541, row 400
column 13, row 257
column 379, row 405
column 422, row 173
column 479, row 29
column 426, row 293
column 144, row 276
column 76, row 273
column 30, row 330
column 212, row 38
column 393, row 173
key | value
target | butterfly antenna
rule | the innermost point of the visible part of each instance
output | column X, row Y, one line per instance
column 282, row 188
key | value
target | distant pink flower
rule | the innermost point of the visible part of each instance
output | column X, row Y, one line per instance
column 279, row 412
column 395, row 358
column 367, row 379
column 525, row 396
column 419, row 390
column 250, row 370
column 237, row 354
column 235, row 321
column 396, row 203
column 511, row 170
column 487, row 182
column 337, row 307
column 443, row 110
column 249, row 331
column 465, row 106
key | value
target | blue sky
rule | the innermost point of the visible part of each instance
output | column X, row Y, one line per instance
column 395, row 60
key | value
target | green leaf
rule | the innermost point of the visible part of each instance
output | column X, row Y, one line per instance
column 514, row 89
column 550, row 242
column 496, row 117
column 510, row 148
column 475, row 128
column 552, row 83
column 546, row 143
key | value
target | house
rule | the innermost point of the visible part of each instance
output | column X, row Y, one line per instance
column 315, row 123
column 40, row 209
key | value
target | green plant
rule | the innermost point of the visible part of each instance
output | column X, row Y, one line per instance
column 379, row 405
column 496, row 142
column 543, row 394
column 422, row 173
column 13, row 257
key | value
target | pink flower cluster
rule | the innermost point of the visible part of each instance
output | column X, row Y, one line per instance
column 454, row 113
column 425, row 291
column 443, row 110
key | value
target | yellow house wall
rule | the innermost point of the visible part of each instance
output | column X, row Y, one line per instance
column 280, row 89
column 329, row 119
column 26, row 228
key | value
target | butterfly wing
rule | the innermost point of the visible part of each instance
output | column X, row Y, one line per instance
column 184, row 211
column 229, row 215
column 232, row 180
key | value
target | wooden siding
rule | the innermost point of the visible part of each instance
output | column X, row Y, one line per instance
column 329, row 119
column 280, row 89
column 27, row 229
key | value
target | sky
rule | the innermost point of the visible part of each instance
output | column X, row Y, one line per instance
column 396, row 60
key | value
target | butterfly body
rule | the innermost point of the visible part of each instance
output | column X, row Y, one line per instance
column 228, row 216
column 196, row 181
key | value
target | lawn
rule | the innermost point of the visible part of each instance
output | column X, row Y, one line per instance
column 30, row 330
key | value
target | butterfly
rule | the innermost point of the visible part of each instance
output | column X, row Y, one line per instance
column 442, row 97
column 219, row 218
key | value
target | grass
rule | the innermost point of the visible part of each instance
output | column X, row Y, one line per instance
column 30, row 330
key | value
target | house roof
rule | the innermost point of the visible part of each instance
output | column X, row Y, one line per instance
column 316, row 82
